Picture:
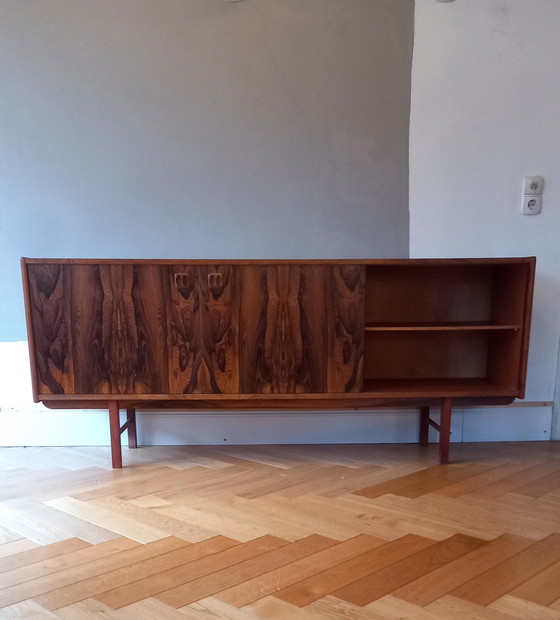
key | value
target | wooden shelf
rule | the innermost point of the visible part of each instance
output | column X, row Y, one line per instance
column 475, row 387
column 455, row 326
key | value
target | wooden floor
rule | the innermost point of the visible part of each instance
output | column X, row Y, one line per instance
column 281, row 532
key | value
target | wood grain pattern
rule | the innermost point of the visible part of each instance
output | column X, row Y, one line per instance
column 276, row 352
column 346, row 331
column 126, row 332
column 48, row 296
column 203, row 329
column 301, row 331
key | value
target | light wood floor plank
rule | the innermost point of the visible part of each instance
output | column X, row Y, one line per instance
column 351, row 571
column 152, row 609
column 403, row 570
column 493, row 476
column 220, row 580
column 393, row 486
column 458, row 609
column 543, row 588
column 16, row 546
column 162, row 581
column 439, row 582
column 26, row 610
column 41, row 554
column 541, row 486
column 448, row 476
column 274, row 609
column 105, row 575
column 332, row 608
column 117, row 583
column 269, row 583
column 209, row 522
column 55, row 572
column 86, row 610
column 151, row 518
column 531, row 474
column 122, row 525
column 256, row 520
column 522, row 610
column 391, row 608
column 213, row 609
column 502, row 579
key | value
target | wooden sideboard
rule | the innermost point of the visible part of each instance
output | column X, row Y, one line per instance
column 265, row 334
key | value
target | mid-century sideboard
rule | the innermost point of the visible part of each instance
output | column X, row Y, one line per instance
column 271, row 334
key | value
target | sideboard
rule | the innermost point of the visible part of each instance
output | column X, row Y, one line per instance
column 272, row 334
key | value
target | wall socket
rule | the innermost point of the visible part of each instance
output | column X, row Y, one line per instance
column 531, row 205
column 532, row 195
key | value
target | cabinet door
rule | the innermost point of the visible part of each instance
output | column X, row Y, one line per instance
column 202, row 329
column 346, row 304
column 300, row 329
column 49, row 317
column 118, row 329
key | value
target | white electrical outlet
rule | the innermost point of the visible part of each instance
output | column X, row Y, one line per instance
column 531, row 205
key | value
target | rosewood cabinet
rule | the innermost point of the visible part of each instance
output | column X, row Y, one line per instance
column 278, row 334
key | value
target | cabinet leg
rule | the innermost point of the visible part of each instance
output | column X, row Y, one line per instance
column 424, row 426
column 115, row 428
column 131, row 428
column 444, row 430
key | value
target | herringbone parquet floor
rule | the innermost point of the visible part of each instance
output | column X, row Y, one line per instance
column 281, row 532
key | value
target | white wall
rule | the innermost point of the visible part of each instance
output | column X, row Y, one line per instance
column 485, row 113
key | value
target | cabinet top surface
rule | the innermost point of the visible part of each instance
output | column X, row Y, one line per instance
column 345, row 261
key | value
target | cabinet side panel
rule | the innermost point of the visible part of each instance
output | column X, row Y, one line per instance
column 346, row 328
column 50, row 324
column 512, row 302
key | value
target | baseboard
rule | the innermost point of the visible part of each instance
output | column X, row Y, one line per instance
column 38, row 426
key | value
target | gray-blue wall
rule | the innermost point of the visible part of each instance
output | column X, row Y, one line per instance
column 200, row 129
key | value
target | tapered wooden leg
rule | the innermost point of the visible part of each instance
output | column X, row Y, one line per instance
column 444, row 430
column 424, row 426
column 131, row 428
column 115, row 428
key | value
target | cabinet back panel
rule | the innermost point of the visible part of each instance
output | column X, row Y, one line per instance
column 397, row 355
column 510, row 290
column 428, row 293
